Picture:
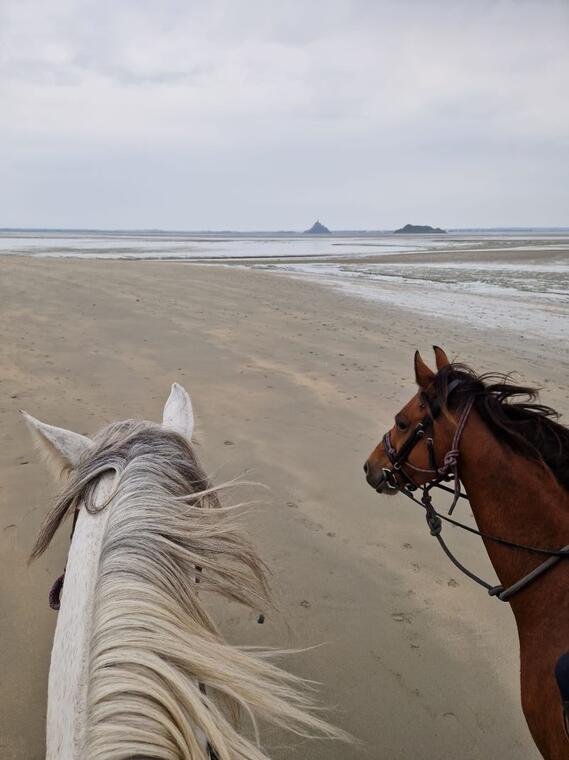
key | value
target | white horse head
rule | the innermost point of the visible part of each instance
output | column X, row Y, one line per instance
column 138, row 667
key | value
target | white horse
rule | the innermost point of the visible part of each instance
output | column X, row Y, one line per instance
column 138, row 667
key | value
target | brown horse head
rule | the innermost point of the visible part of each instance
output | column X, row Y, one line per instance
column 423, row 430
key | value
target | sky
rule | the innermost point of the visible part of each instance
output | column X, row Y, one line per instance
column 268, row 114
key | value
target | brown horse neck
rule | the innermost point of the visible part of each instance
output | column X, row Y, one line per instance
column 519, row 500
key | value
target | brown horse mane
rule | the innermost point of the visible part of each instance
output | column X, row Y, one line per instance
column 512, row 414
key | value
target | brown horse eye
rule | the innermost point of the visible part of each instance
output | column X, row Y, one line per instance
column 401, row 425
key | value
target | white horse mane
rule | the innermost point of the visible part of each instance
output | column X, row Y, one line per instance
column 161, row 677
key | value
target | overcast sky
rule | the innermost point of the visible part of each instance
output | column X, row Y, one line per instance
column 265, row 114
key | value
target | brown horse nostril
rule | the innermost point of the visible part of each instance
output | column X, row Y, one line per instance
column 366, row 468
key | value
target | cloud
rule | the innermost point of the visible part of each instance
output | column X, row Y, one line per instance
column 256, row 114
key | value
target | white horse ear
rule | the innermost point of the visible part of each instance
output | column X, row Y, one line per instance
column 178, row 413
column 61, row 448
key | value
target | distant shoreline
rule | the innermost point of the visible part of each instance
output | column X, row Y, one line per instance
column 248, row 233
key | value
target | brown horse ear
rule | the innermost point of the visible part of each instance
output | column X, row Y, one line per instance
column 423, row 375
column 441, row 357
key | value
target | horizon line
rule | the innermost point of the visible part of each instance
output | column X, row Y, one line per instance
column 512, row 228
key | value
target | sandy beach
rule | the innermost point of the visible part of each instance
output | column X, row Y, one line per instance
column 293, row 383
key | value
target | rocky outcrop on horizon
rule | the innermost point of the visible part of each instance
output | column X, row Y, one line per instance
column 418, row 229
column 317, row 229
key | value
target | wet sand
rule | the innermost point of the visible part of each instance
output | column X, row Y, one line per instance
column 292, row 383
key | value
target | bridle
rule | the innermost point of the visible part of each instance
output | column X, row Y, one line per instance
column 398, row 477
column 400, row 459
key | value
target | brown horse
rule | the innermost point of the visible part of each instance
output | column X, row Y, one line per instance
column 512, row 458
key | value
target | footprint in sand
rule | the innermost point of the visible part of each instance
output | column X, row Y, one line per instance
column 311, row 525
column 401, row 617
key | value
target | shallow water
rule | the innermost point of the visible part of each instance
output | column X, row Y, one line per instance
column 539, row 278
column 530, row 300
column 524, row 288
column 180, row 245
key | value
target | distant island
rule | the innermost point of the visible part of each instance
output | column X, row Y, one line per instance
column 317, row 229
column 414, row 229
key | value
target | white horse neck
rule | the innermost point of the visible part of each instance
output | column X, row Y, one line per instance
column 69, row 667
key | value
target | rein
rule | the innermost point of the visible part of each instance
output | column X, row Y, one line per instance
column 449, row 471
